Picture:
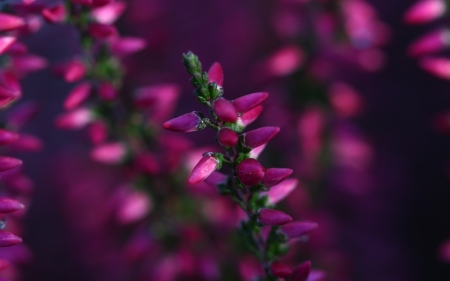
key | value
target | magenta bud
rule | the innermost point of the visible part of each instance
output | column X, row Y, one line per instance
column 260, row 136
column 73, row 71
column 6, row 42
column 55, row 14
column 8, row 163
column 28, row 143
column 424, row 11
column 98, row 132
column 10, row 22
column 110, row 13
column 250, row 172
column 8, row 239
column 101, row 31
column 215, row 74
column 107, row 92
column 250, row 101
column 185, row 123
column 280, row 270
column 8, row 205
column 298, row 229
column 203, row 169
column 301, row 272
column 250, row 116
column 274, row 176
column 225, row 110
column 77, row 96
column 439, row 67
column 227, row 137
column 109, row 153
column 280, row 191
column 127, row 45
column 76, row 119
column 28, row 63
column 147, row 163
column 7, row 137
column 431, row 42
column 273, row 217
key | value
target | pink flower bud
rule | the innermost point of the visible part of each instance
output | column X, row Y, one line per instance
column 76, row 119
column 301, row 271
column 250, row 116
column 431, row 42
column 285, row 61
column 7, row 137
column 225, row 110
column 8, row 239
column 55, row 14
column 4, row 264
column 439, row 67
column 28, row 143
column 8, row 205
column 227, row 137
column 345, row 100
column 127, row 45
column 185, row 123
column 73, row 71
column 10, row 22
column 110, row 13
column 250, row 101
column 28, row 63
column 102, row 31
column 8, row 163
column 133, row 207
column 273, row 217
column 260, row 136
column 6, row 42
column 274, row 176
column 107, row 92
column 280, row 270
column 203, row 169
column 7, row 96
column 317, row 275
column 98, row 132
column 298, row 229
column 424, row 11
column 77, row 96
column 250, row 172
column 280, row 191
column 215, row 74
column 109, row 153
column 17, row 48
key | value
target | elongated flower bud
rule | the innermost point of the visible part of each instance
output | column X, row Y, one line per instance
column 28, row 143
column 424, row 11
column 259, row 136
column 280, row 191
column 301, row 271
column 55, row 14
column 274, row 176
column 203, row 169
column 77, row 96
column 102, row 31
column 8, row 163
column 250, row 101
column 8, row 239
column 227, row 137
column 110, row 13
column 225, row 110
column 280, row 270
column 73, row 71
column 76, row 119
column 439, row 67
column 10, row 22
column 127, row 45
column 273, row 217
column 8, row 205
column 98, row 132
column 6, row 42
column 28, row 63
column 250, row 172
column 185, row 123
column 432, row 42
column 298, row 229
column 250, row 116
column 109, row 153
column 7, row 137
column 215, row 74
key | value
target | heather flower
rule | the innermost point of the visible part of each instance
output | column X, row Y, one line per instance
column 108, row 14
column 188, row 122
column 73, row 71
column 7, row 137
column 250, row 172
column 6, row 42
column 439, row 67
column 8, row 205
column 227, row 137
column 273, row 217
column 215, row 74
column 54, row 14
column 274, row 176
column 107, row 92
column 8, row 163
column 10, row 22
column 431, row 42
column 102, row 31
column 297, row 229
column 8, row 239
column 248, row 102
column 109, row 153
column 301, row 272
column 127, row 45
column 250, row 116
column 425, row 11
column 225, row 110
column 77, row 96
column 259, row 136
column 280, row 270
column 203, row 169
column 75, row 119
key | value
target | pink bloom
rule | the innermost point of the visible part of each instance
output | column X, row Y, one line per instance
column 8, row 205
column 127, row 45
column 224, row 110
column 280, row 270
column 250, row 116
column 8, row 163
column 109, row 153
column 301, row 271
column 76, row 119
column 8, row 239
column 345, row 100
column 248, row 102
column 285, row 61
column 110, row 13
column 274, row 176
column 28, row 63
column 205, row 167
column 77, row 96
column 431, row 42
column 28, row 143
column 273, row 217
column 215, row 74
column 98, row 132
column 7, row 137
column 134, row 206
column 250, row 172
column 297, row 229
column 6, row 42
column 227, row 137
column 280, row 191
column 425, row 11
column 439, row 67
column 107, row 92
column 10, row 22
column 185, row 123
column 260, row 136
column 73, row 71
column 102, row 31
column 54, row 14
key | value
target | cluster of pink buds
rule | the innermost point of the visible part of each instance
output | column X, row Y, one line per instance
column 427, row 48
column 265, row 230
